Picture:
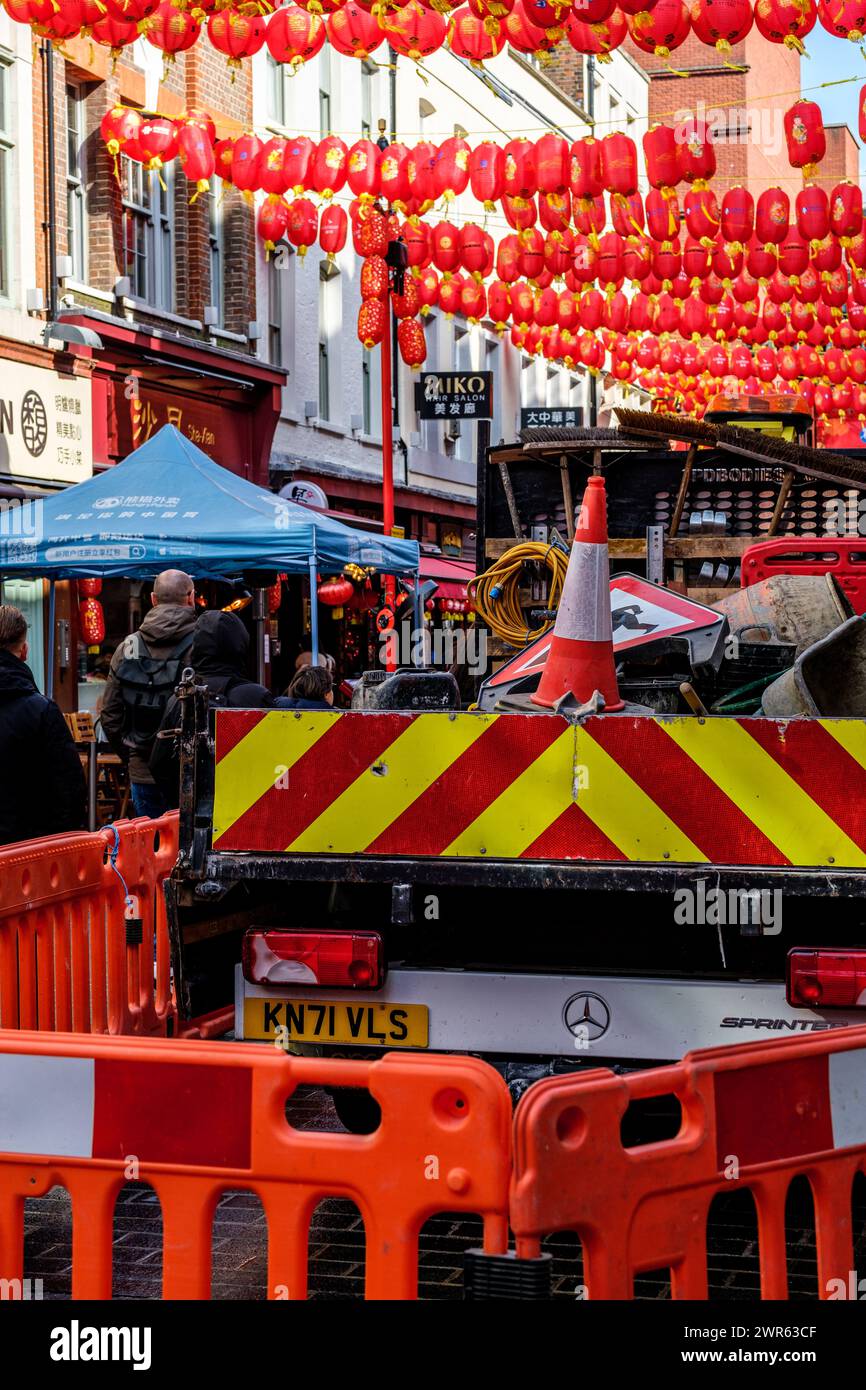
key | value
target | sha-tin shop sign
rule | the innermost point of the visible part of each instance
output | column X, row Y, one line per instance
column 455, row 396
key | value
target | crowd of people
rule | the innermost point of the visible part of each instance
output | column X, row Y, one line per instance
column 43, row 790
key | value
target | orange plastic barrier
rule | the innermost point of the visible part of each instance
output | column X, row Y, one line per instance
column 69, row 958
column 753, row 1116
column 199, row 1118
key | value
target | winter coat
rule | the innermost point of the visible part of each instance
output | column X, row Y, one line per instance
column 162, row 629
column 42, row 786
column 219, row 656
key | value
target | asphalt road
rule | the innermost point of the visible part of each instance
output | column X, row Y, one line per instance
column 336, row 1255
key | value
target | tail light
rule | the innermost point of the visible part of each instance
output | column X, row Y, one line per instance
column 820, row 979
column 347, row 960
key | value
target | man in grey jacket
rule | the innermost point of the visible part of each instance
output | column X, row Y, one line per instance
column 144, row 671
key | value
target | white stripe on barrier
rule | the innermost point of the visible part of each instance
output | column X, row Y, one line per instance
column 47, row 1105
column 584, row 609
column 848, row 1097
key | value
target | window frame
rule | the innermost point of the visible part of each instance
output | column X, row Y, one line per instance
column 153, row 216
column 76, row 174
column 8, row 152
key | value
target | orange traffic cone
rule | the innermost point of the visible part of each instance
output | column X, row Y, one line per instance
column 581, row 658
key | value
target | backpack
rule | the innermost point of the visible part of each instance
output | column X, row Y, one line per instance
column 146, row 684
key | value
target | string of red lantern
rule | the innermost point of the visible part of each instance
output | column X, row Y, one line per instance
column 476, row 31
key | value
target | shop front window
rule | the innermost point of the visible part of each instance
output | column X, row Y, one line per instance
column 27, row 594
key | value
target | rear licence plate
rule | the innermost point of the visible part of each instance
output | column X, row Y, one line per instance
column 323, row 1020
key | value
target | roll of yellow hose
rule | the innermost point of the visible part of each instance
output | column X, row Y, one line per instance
column 495, row 594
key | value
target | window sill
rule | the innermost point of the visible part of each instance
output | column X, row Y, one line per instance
column 327, row 427
column 372, row 441
column 141, row 306
column 227, row 336
column 73, row 287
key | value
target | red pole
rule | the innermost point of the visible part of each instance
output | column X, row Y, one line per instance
column 388, row 461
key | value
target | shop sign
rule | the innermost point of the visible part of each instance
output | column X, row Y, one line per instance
column 551, row 417
column 45, row 424
column 455, row 396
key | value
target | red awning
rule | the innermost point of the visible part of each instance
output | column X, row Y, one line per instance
column 452, row 576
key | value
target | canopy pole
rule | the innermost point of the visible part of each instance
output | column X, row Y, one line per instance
column 314, row 612
column 260, row 608
column 417, row 611
column 52, row 605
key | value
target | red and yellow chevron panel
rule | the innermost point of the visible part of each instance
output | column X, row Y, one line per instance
column 532, row 786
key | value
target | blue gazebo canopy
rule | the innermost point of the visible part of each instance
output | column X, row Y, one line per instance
column 169, row 506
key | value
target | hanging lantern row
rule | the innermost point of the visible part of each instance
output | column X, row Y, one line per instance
column 476, row 32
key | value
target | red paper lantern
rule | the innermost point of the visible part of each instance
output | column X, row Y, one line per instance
column 499, row 304
column 236, row 34
column 721, row 23
column 394, row 175
column 294, row 36
column 804, row 135
column 558, row 252
column 793, row 253
column 846, row 210
column 445, row 246
column 120, row 128
column 619, row 164
column 246, row 157
column 589, row 216
column 363, row 170
column 353, row 31
column 428, row 290
column 701, row 212
column 302, row 224
column 329, row 167
column 661, row 29
column 812, row 208
column 272, row 220
column 92, row 622
column 844, row 19
column 157, row 141
column 372, row 321
column 772, row 216
column 552, row 163
column 62, row 22
column 487, row 173
column 662, row 215
column 786, row 21
column 450, row 291
column 375, row 278
column 661, row 153
column 603, row 37
column 407, row 304
column 697, row 156
column 333, row 230
column 419, row 171
column 171, row 30
column 451, row 170
column 737, row 216
column 473, row 300
column 415, row 31
column 474, row 38
column 114, row 34
column 585, row 172
column 373, row 236
column 89, row 588
column 195, row 151
column 412, row 343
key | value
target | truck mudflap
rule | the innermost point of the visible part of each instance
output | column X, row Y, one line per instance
column 615, row 790
column 591, row 1019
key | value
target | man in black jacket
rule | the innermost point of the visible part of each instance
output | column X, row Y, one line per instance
column 219, row 655
column 42, row 787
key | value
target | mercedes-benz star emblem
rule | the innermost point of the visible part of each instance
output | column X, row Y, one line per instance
column 586, row 1015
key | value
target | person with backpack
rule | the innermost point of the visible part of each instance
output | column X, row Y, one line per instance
column 144, row 672
column 219, row 656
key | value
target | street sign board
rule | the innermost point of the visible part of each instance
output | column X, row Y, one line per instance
column 641, row 613
column 551, row 417
column 455, row 396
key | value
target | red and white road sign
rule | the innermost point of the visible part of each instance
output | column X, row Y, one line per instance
column 641, row 613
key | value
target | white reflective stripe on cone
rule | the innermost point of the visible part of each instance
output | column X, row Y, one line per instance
column 47, row 1105
column 584, row 609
